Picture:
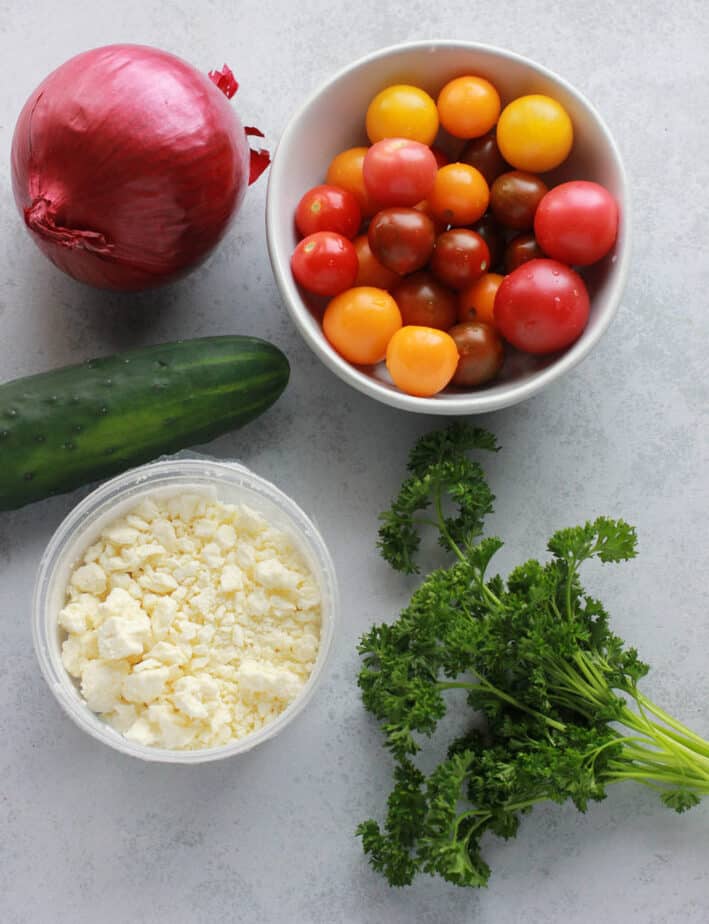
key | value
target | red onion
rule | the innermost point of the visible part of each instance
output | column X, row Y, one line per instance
column 128, row 165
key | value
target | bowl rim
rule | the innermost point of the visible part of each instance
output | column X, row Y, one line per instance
column 471, row 403
column 194, row 471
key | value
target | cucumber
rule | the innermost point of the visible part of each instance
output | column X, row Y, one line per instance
column 62, row 429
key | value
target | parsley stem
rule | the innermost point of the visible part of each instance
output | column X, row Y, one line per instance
column 486, row 685
column 438, row 504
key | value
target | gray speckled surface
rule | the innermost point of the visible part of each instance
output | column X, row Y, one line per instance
column 88, row 835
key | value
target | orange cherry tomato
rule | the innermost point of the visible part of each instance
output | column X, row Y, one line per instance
column 421, row 360
column 402, row 111
column 477, row 302
column 468, row 107
column 459, row 196
column 345, row 171
column 371, row 272
column 360, row 322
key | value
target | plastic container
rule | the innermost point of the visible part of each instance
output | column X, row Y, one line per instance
column 233, row 483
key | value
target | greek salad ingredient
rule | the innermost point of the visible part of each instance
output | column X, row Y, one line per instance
column 481, row 353
column 65, row 428
column 438, row 231
column 577, row 222
column 328, row 208
column 542, row 307
column 535, row 133
column 399, row 172
column 325, row 263
column 460, row 256
column 421, row 360
column 468, row 106
column 402, row 111
column 128, row 165
column 402, row 239
column 360, row 322
column 552, row 708
column 425, row 302
column 190, row 623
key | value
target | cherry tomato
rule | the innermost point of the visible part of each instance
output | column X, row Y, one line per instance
column 424, row 207
column 542, row 307
column 325, row 263
column 514, row 198
column 402, row 111
column 468, row 106
column 424, row 301
column 520, row 250
column 484, row 154
column 402, row 239
column 442, row 159
column 360, row 322
column 535, row 133
column 399, row 172
column 577, row 222
column 345, row 171
column 460, row 195
column 328, row 208
column 477, row 302
column 481, row 353
column 493, row 235
column 371, row 272
column 460, row 257
column 421, row 360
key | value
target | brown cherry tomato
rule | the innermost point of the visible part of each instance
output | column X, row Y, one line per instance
column 494, row 237
column 426, row 302
column 484, row 154
column 371, row 272
column 481, row 353
column 424, row 207
column 402, row 239
column 460, row 257
column 514, row 198
column 520, row 249
column 477, row 302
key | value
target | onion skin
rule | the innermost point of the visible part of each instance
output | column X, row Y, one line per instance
column 128, row 165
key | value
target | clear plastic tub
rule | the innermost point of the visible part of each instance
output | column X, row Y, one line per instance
column 233, row 483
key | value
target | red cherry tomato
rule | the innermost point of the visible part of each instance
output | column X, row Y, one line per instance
column 328, row 208
column 460, row 257
column 399, row 172
column 325, row 263
column 542, row 307
column 424, row 301
column 577, row 222
column 402, row 239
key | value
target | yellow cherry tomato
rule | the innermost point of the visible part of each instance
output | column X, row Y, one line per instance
column 421, row 360
column 468, row 107
column 535, row 133
column 360, row 322
column 477, row 302
column 345, row 171
column 402, row 111
column 460, row 195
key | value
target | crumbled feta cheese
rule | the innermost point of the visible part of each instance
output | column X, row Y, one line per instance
column 90, row 578
column 190, row 623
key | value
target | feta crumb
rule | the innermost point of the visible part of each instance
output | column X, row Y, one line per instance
column 101, row 684
column 90, row 578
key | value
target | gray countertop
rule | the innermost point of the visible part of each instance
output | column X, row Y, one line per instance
column 86, row 834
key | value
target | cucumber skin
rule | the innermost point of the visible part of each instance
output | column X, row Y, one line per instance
column 65, row 428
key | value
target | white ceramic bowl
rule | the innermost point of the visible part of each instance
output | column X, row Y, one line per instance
column 233, row 484
column 333, row 120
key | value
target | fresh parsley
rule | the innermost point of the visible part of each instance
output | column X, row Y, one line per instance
column 554, row 708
